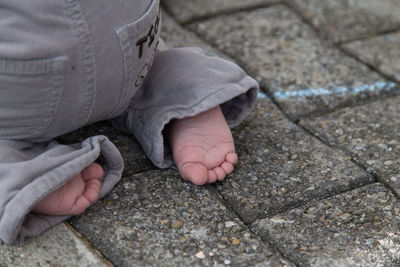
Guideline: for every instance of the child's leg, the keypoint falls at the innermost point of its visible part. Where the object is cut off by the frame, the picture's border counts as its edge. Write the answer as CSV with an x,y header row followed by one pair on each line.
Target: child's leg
x,y
202,147
188,100
53,179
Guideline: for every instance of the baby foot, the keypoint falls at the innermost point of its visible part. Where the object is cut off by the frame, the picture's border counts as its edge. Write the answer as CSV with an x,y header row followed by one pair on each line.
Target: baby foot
x,y
202,147
74,196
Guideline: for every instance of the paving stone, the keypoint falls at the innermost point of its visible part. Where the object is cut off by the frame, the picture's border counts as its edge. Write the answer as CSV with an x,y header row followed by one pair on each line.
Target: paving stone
x,y
134,157
185,11
369,133
303,74
60,246
356,228
157,218
382,52
175,36
281,167
342,20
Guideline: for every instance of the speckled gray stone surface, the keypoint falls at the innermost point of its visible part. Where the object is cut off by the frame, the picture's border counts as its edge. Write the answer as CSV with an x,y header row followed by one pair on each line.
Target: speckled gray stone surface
x,y
369,133
281,167
342,20
185,11
356,228
382,52
59,246
175,36
156,217
303,74
134,158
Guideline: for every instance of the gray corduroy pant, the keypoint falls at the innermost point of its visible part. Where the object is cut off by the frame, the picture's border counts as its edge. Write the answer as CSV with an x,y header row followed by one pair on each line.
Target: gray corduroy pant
x,y
68,63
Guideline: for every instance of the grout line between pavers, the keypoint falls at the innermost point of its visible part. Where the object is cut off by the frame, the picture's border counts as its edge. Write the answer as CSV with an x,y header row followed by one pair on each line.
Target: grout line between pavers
x,y
370,66
228,11
353,158
275,244
337,45
221,199
89,244
363,37
321,34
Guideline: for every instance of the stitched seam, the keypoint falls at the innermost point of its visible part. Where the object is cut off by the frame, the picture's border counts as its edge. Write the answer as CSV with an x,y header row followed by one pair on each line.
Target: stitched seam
x,y
125,40
58,83
126,50
88,58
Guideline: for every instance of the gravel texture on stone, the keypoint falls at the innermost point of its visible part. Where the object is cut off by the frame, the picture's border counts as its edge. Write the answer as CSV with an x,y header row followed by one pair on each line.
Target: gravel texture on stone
x,y
381,52
302,73
281,167
356,228
185,11
60,246
342,20
134,158
156,217
369,133
176,36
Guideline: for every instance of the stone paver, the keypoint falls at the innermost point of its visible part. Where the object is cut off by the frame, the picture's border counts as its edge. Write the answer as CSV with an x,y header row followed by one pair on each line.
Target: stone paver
x,y
59,246
342,20
303,74
175,36
382,52
281,167
185,11
156,217
356,228
369,133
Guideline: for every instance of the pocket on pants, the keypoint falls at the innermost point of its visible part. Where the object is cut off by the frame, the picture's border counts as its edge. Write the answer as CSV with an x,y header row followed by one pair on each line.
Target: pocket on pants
x,y
30,92
139,41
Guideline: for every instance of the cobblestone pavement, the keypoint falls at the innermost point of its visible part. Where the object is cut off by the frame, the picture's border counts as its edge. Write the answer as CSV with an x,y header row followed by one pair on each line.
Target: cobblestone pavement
x,y
318,183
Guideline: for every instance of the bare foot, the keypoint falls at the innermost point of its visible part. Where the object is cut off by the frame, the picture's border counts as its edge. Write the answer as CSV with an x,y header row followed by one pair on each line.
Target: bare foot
x,y
74,196
203,147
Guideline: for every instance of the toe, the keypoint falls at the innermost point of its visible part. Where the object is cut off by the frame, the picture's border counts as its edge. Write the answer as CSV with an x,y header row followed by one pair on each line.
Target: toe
x,y
93,171
92,190
232,158
228,167
196,173
80,205
220,173
212,176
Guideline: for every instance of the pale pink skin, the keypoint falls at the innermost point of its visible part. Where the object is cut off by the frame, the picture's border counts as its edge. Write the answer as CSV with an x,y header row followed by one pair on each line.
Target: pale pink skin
x,y
203,150
74,196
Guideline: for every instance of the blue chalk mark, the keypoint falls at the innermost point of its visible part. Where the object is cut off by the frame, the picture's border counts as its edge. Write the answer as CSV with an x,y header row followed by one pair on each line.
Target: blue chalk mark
x,y
261,95
340,90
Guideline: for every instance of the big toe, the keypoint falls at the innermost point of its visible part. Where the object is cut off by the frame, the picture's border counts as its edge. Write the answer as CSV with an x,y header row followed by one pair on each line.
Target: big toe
x,y
196,173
